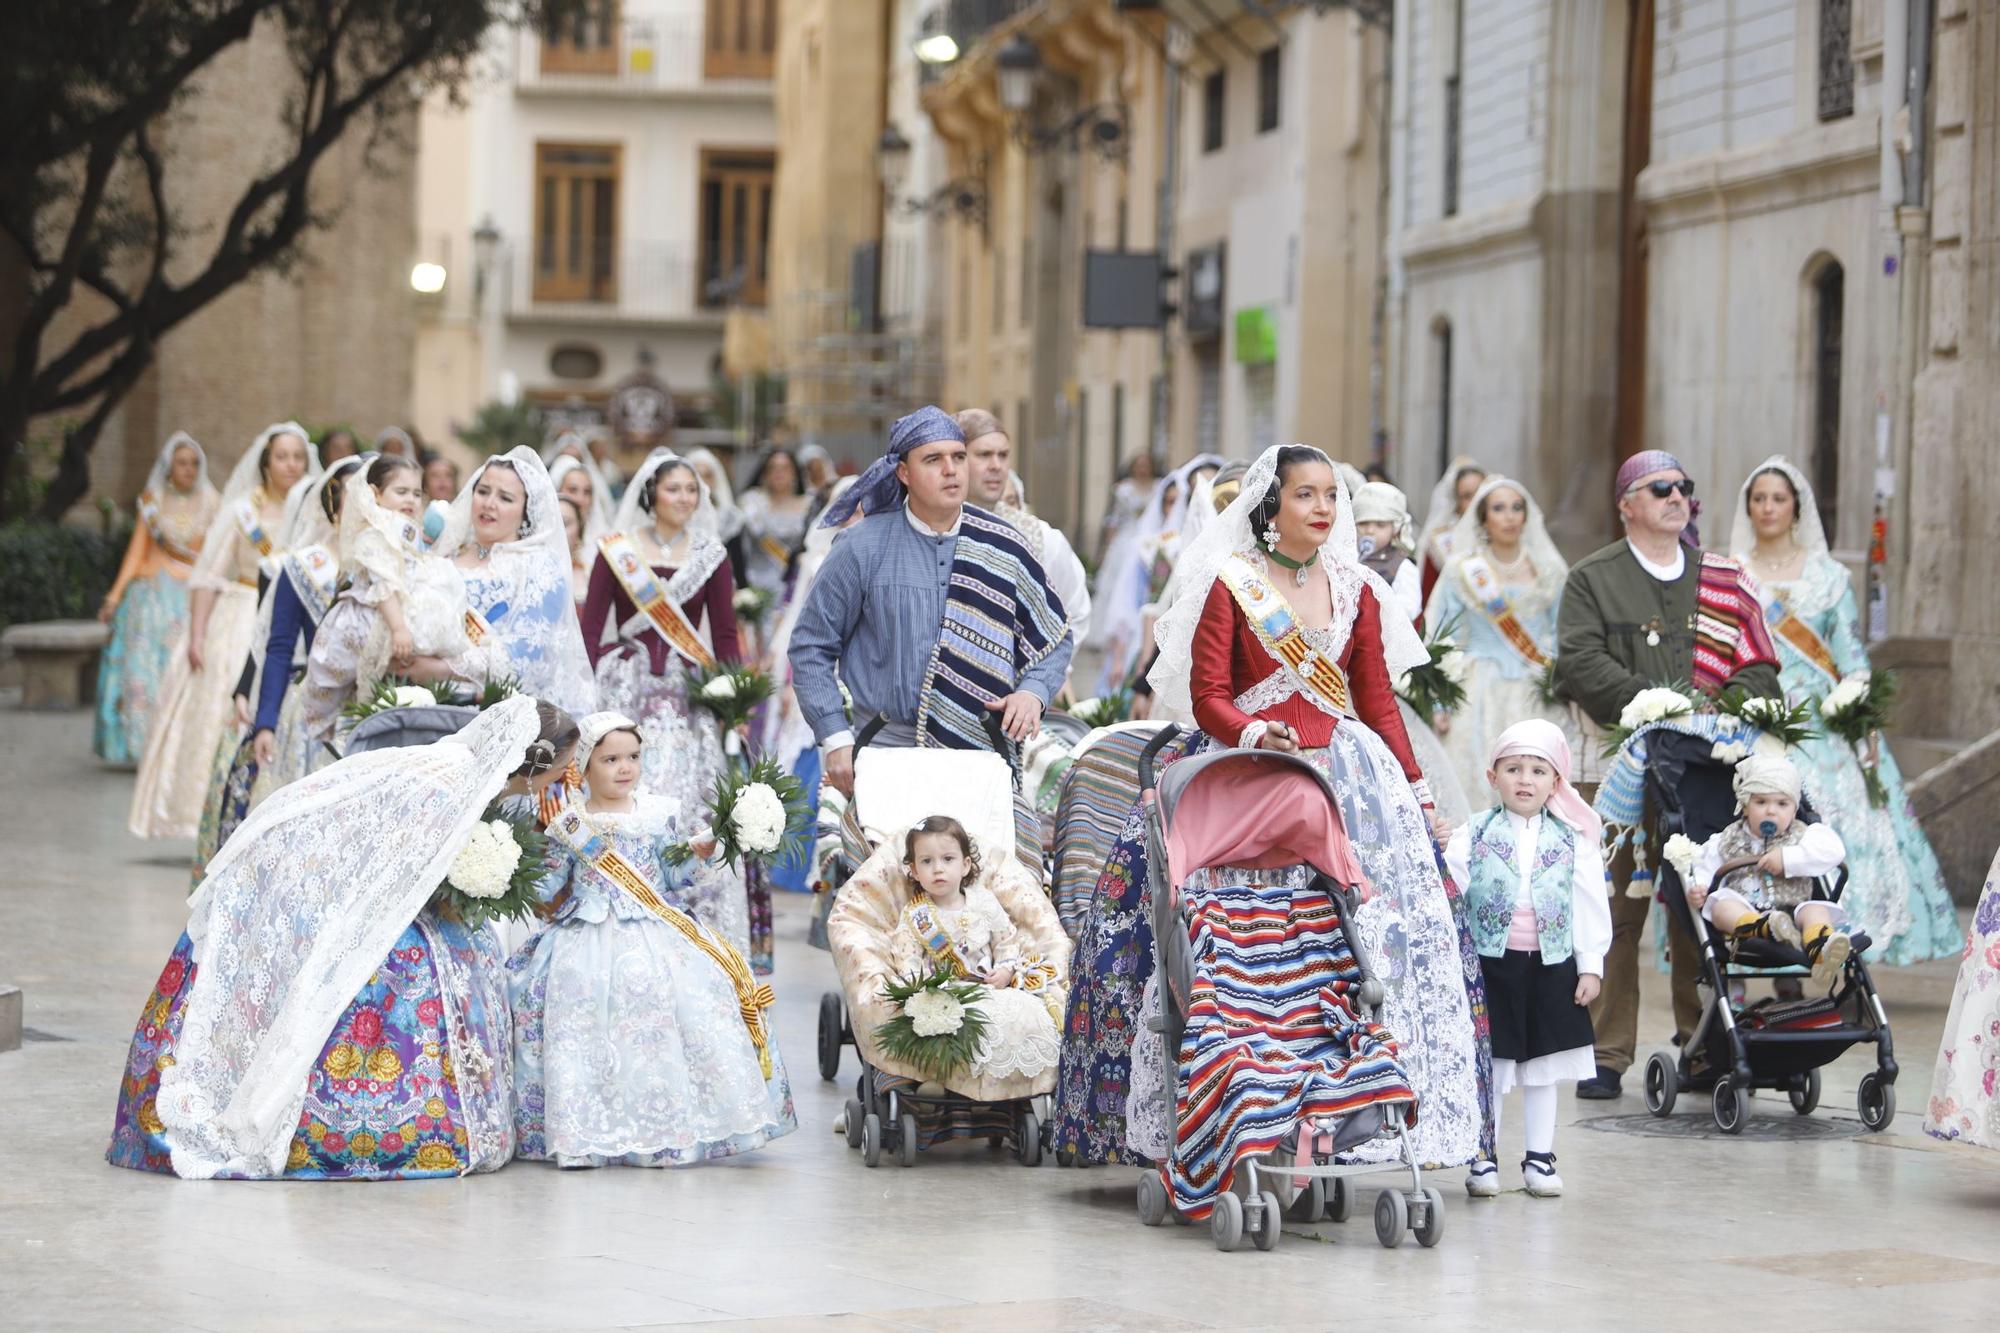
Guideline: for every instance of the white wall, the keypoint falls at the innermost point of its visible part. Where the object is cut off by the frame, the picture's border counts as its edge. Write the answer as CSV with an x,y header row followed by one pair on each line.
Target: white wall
x,y
1724,74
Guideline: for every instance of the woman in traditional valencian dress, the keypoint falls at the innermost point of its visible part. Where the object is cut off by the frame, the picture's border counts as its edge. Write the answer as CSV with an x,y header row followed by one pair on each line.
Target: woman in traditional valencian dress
x,y
1286,548
775,509
1895,891
148,602
1965,1089
640,1036
1450,498
1499,594
320,1020
193,741
505,536
723,517
662,587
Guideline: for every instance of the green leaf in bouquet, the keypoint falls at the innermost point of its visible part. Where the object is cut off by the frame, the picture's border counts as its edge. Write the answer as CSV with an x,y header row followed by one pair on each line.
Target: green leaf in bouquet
x,y
728,796
939,1055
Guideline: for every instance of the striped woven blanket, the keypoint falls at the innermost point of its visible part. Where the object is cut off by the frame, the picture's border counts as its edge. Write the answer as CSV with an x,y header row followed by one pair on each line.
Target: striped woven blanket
x,y
1098,792
1273,1036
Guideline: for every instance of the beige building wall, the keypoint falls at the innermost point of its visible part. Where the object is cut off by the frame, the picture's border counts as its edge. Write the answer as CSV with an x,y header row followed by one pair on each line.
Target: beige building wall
x,y
330,341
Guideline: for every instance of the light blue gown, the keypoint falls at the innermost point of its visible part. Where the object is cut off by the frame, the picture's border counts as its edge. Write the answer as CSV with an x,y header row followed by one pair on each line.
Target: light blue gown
x,y
629,1047
1895,890
1501,686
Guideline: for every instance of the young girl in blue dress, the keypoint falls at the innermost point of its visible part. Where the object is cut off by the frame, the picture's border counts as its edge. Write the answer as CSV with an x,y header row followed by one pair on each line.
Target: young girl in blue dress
x,y
640,1036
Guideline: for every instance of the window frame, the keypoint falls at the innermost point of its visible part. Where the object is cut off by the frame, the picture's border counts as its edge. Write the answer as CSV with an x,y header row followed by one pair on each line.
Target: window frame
x,y
1214,110
752,168
1270,88
549,279
754,26
559,55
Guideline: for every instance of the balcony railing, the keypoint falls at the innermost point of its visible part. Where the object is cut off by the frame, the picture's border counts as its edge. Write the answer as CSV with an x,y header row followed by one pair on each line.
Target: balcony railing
x,y
633,55
582,279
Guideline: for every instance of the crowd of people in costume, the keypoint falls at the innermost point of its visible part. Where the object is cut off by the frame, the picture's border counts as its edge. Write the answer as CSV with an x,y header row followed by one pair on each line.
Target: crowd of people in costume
x,y
328,1013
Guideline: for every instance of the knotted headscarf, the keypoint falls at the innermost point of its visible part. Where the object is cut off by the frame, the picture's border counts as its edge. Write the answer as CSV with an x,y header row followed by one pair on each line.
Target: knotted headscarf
x,y
877,489
1541,739
1766,775
1648,461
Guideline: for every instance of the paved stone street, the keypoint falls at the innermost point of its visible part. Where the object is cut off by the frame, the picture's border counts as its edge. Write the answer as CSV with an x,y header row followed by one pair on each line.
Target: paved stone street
x,y
1838,1229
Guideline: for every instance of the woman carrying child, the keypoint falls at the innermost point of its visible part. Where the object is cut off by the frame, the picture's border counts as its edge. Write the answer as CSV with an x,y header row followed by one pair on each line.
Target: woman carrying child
x,y
954,923
640,1036
1533,883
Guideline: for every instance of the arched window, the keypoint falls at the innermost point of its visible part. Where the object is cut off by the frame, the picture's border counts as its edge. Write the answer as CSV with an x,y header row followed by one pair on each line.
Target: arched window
x,y
1441,359
1828,289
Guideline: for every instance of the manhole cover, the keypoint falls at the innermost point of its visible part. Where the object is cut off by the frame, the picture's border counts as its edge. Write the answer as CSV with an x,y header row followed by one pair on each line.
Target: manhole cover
x,y
1776,1128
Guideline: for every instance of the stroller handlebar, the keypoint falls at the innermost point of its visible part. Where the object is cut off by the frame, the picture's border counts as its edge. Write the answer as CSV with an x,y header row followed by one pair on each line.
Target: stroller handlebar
x,y
1167,735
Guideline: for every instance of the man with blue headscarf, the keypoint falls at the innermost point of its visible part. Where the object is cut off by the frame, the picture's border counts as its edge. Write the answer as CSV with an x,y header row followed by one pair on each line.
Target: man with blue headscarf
x,y
930,612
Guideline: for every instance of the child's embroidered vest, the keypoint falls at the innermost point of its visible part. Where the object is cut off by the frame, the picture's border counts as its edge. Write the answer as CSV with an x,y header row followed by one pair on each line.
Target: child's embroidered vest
x,y
1496,879
1763,891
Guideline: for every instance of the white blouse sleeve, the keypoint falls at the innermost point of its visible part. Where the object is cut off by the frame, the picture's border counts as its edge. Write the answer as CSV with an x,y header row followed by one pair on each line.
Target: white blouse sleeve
x,y
1590,911
1820,852
1458,856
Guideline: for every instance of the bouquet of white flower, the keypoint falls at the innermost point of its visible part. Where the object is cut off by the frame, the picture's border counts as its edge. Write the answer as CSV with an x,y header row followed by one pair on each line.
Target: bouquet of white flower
x,y
1856,710
753,605
493,877
1679,853
1102,712
759,813
730,693
1648,706
938,1028
395,692
1787,723
1437,687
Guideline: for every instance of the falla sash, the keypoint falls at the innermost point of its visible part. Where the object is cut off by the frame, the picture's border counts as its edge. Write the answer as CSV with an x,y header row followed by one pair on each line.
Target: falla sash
x,y
936,939
1492,600
1271,620
573,830
776,549
314,572
650,596
1800,635
156,524
251,522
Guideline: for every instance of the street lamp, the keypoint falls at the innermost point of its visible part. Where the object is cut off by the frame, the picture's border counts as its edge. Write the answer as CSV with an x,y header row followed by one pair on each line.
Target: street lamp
x,y
934,46
1018,65
427,279
892,158
965,197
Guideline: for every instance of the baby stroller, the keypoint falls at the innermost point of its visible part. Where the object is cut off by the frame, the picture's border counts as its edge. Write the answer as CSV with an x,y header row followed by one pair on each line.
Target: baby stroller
x,y
1255,1011
893,789
897,1109
1773,1044
392,727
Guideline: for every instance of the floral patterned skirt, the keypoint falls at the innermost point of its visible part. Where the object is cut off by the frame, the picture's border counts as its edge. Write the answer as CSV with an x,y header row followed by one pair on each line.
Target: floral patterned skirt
x,y
1965,1089
148,621
411,1083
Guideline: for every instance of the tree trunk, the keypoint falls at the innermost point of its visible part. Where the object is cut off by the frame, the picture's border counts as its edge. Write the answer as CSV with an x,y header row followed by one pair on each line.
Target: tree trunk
x,y
72,479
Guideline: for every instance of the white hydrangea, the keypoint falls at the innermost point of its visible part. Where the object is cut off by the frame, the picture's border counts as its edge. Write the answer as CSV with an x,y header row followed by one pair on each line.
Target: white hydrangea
x,y
747,599
1654,705
413,696
1760,709
1454,665
1844,696
1680,853
758,818
934,1013
722,687
485,865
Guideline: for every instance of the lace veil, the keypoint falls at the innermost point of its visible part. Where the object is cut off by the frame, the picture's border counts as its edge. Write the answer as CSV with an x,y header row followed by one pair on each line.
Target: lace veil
x,y
538,631
156,480
728,514
214,570
305,525
704,537
1468,537
297,911
1229,534
1441,518
568,453
1807,530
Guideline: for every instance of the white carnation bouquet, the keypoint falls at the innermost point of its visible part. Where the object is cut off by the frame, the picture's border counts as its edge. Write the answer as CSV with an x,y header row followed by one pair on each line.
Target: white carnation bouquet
x,y
730,693
938,1028
759,813
494,875
1857,710
1655,704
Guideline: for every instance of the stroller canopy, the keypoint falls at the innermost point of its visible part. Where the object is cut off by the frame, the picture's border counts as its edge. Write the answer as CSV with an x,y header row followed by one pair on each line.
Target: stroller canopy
x,y
1255,809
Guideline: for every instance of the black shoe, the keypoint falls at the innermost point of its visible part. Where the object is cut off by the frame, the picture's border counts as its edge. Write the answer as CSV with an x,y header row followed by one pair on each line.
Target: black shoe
x,y
1607,1086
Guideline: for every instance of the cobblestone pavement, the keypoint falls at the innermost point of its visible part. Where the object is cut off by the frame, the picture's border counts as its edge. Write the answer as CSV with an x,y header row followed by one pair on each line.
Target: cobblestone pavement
x,y
1842,1229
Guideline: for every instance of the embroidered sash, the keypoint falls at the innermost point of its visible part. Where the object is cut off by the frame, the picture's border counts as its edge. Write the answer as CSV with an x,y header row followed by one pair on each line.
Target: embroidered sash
x,y
776,549
1270,617
477,627
575,832
314,572
1491,598
252,525
1800,635
1000,619
156,524
647,593
1729,632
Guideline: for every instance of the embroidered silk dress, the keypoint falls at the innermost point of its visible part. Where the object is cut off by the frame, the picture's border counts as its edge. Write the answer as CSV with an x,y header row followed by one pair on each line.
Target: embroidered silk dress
x,y
151,597
1020,1030
1965,1089
641,676
630,1044
1502,686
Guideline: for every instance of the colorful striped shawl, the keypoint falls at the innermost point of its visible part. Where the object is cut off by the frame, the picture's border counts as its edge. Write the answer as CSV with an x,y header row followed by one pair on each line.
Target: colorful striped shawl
x,y
1729,630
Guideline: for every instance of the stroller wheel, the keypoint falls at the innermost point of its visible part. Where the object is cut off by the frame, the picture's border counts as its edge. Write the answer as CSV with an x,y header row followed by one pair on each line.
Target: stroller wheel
x,y
1663,1083
1031,1139
1152,1199
1339,1199
1876,1101
1309,1204
1431,1230
1392,1218
1270,1216
1226,1222
1805,1092
829,1035
906,1139
1731,1105
871,1140
855,1115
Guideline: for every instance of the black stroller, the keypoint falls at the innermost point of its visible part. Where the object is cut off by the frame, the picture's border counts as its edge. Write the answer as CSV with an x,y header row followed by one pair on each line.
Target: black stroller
x,y
1775,1044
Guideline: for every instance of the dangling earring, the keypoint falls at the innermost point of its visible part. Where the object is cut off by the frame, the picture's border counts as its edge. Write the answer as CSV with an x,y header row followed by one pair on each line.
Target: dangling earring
x,y
1271,533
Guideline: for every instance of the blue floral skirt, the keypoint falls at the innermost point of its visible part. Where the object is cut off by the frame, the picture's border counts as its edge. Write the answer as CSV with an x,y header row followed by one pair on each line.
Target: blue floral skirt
x,y
144,632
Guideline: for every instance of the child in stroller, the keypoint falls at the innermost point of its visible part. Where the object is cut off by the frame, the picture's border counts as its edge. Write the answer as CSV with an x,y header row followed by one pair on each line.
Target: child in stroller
x,y
1754,879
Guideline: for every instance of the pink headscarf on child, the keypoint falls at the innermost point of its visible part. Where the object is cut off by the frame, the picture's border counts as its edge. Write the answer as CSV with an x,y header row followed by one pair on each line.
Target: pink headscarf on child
x,y
1544,740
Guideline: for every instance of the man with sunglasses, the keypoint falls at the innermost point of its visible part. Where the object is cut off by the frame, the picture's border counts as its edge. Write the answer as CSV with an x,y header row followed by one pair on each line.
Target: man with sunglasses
x,y
1652,609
